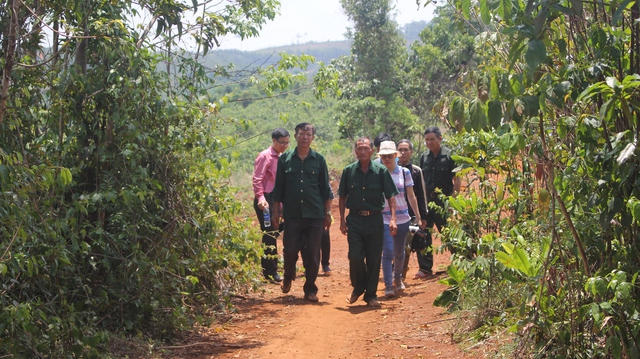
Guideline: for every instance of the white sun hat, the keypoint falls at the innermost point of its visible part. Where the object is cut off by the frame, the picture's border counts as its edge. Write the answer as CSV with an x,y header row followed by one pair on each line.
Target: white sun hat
x,y
387,148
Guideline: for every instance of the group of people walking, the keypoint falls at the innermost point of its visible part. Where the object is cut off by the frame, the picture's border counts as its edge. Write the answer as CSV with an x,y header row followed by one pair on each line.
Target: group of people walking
x,y
382,195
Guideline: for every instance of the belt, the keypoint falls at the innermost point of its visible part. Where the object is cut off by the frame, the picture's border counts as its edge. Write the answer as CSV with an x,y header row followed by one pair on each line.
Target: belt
x,y
367,213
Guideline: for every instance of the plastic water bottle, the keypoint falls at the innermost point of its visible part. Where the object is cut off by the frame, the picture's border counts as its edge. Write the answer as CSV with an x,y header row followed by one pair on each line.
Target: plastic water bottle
x,y
266,217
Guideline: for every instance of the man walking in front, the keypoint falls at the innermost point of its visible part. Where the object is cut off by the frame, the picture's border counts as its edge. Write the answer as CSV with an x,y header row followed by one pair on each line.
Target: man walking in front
x,y
302,186
264,176
364,185
439,178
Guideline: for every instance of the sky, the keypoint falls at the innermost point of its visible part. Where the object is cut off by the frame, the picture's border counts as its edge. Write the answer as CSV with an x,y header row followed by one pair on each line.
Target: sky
x,y
303,21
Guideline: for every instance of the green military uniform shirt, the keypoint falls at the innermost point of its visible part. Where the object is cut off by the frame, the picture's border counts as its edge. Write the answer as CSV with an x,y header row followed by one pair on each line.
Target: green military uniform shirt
x,y
366,191
302,186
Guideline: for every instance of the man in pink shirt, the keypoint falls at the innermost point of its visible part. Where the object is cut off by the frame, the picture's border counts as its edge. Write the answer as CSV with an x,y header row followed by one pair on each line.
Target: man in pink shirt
x,y
264,177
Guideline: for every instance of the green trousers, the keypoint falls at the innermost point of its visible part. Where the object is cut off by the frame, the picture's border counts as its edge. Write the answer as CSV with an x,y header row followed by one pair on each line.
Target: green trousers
x,y
365,237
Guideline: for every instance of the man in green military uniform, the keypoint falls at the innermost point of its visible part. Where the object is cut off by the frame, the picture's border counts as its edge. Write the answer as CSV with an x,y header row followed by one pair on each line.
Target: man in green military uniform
x,y
439,178
364,186
302,186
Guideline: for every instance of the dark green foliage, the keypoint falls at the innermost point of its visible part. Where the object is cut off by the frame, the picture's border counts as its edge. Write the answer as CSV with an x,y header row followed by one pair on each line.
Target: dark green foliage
x,y
114,216
547,231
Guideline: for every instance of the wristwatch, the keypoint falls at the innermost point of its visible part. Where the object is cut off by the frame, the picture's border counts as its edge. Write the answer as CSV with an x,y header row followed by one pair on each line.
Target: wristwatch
x,y
329,212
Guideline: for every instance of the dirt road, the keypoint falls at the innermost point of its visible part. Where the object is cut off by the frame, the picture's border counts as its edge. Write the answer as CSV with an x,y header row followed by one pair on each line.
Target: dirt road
x,y
276,325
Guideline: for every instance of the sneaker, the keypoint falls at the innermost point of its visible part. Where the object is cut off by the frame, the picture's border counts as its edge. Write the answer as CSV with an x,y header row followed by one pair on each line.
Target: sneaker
x,y
399,285
326,270
389,293
273,278
422,275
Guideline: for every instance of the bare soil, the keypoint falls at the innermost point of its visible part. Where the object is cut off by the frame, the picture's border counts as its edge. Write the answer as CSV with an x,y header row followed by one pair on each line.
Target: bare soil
x,y
270,324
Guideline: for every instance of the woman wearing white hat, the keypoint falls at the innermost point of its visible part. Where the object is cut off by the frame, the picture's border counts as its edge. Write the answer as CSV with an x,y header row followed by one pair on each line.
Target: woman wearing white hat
x,y
393,246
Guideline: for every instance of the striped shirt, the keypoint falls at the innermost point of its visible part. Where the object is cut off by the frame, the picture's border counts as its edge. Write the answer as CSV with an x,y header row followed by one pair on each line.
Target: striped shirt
x,y
402,178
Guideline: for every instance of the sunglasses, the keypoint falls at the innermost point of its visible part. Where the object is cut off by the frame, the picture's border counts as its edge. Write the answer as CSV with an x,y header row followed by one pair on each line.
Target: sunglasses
x,y
386,157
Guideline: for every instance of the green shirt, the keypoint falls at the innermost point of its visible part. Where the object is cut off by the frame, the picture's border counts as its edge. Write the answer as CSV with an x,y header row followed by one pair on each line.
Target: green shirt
x,y
302,186
438,171
366,191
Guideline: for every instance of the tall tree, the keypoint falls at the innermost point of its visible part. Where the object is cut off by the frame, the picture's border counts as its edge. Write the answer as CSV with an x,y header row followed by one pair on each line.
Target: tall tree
x,y
372,75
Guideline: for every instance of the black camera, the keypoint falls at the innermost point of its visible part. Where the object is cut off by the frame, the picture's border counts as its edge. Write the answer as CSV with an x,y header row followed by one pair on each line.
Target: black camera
x,y
419,240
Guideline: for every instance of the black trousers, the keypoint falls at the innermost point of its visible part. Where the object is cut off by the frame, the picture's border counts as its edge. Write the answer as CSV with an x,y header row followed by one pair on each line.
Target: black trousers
x,y
303,236
325,249
425,260
269,261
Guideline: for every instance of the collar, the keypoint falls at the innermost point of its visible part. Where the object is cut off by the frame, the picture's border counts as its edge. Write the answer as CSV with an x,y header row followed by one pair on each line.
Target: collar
x,y
312,153
358,166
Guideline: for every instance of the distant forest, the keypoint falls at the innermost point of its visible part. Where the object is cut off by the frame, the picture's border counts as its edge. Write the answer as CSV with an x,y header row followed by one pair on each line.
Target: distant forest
x,y
322,51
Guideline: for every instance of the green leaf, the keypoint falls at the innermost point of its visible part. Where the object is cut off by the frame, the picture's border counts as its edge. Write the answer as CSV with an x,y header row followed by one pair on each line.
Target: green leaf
x,y
446,298
576,7
462,159
596,286
504,9
613,344
65,177
518,260
466,9
536,53
506,275
495,113
624,5
636,211
4,174
456,112
456,273
484,12
477,115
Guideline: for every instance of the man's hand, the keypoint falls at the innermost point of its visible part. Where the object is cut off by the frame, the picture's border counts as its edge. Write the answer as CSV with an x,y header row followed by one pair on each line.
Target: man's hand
x,y
263,204
423,224
327,221
343,227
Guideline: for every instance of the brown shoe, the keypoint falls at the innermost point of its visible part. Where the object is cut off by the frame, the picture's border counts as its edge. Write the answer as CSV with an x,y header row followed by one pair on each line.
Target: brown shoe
x,y
373,303
352,298
286,285
311,297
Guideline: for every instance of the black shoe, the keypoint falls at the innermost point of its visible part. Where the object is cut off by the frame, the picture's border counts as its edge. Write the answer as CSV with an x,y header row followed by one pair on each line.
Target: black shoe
x,y
286,286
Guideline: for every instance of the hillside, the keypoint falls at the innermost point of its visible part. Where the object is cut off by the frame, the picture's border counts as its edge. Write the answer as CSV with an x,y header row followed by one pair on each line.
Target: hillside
x,y
322,51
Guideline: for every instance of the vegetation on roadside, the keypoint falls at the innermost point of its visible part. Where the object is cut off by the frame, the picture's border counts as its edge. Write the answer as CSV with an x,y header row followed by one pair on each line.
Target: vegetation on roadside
x,y
546,236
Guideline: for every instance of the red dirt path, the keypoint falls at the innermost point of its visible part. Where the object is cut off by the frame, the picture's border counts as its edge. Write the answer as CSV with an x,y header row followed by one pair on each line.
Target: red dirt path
x,y
271,324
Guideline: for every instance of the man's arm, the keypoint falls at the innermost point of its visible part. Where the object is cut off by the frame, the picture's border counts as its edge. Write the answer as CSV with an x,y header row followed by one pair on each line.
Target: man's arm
x,y
413,202
421,197
275,218
259,171
327,214
342,205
